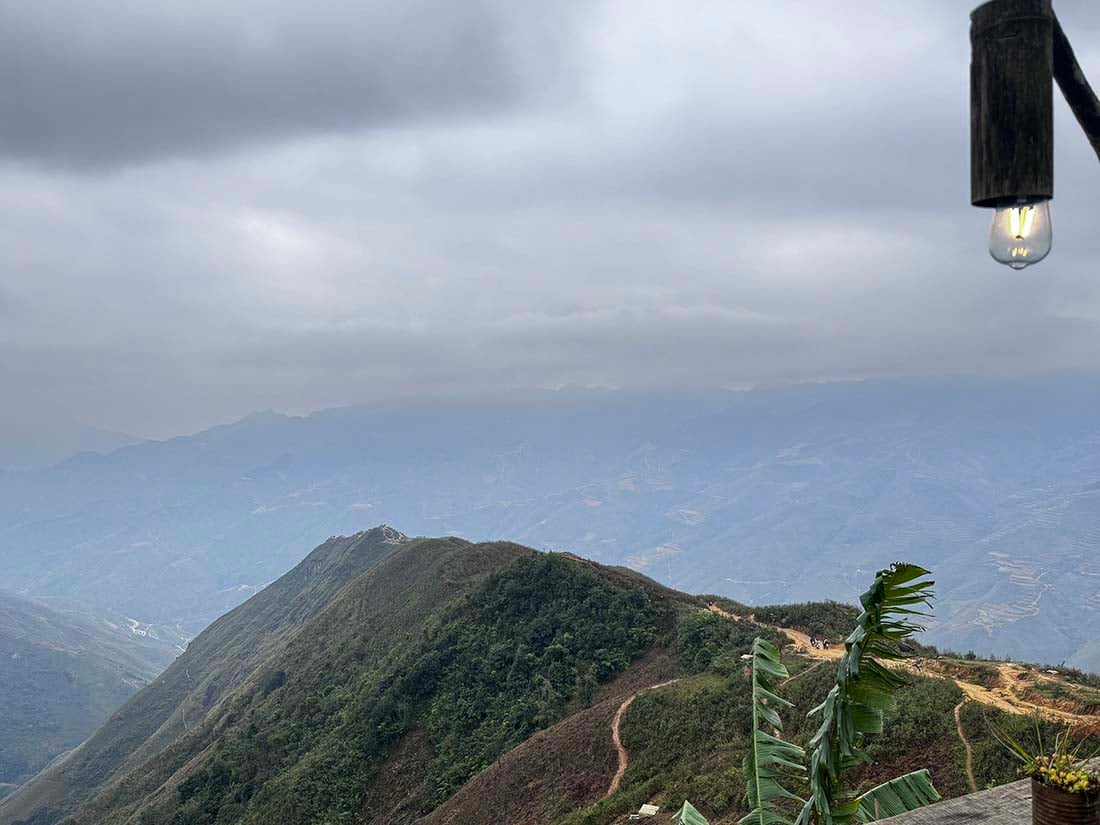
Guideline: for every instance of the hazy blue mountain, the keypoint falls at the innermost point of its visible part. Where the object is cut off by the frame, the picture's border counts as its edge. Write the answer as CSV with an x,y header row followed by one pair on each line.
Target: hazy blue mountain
x,y
63,671
51,442
765,496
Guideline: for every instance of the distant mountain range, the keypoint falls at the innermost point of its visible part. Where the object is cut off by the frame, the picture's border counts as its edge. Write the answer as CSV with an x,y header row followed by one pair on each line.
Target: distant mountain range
x,y
51,442
436,682
769,495
63,671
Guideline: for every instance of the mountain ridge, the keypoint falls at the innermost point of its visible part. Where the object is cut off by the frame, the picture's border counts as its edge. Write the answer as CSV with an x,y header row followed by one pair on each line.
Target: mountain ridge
x,y
228,654
386,659
994,481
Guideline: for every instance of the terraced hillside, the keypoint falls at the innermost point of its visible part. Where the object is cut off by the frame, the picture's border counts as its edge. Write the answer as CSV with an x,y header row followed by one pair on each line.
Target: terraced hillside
x,y
781,494
437,681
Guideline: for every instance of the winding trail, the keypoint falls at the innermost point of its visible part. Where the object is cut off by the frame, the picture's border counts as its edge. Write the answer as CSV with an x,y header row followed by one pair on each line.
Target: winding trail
x,y
799,639
966,744
1008,696
802,642
624,755
798,676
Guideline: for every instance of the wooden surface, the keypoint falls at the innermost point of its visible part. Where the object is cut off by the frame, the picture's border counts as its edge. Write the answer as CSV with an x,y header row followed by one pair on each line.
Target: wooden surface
x,y
1012,101
1006,805
1075,86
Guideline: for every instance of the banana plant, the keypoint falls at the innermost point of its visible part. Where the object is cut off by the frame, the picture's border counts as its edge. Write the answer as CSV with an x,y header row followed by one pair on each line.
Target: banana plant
x,y
687,815
898,796
771,762
854,709
864,692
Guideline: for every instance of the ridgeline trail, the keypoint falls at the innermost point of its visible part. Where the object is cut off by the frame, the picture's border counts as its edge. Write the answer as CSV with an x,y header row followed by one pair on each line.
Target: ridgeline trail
x,y
800,640
1010,695
624,755
966,744
1007,696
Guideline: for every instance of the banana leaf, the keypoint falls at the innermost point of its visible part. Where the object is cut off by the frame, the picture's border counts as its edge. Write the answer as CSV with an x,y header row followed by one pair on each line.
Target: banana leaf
x,y
772,763
864,693
687,815
898,796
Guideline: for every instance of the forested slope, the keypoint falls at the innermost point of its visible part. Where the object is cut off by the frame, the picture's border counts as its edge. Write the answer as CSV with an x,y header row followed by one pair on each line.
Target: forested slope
x,y
435,681
217,661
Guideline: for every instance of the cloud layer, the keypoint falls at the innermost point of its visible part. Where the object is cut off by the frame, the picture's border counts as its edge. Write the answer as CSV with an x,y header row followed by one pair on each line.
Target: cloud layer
x,y
206,211
105,83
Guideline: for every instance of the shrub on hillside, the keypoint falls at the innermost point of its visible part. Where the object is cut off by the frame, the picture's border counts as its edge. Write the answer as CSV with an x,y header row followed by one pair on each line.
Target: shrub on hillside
x,y
486,674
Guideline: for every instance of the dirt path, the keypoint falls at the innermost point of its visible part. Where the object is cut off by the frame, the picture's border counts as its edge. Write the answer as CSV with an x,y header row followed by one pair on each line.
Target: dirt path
x,y
1013,680
966,744
799,639
802,643
798,676
1007,696
624,755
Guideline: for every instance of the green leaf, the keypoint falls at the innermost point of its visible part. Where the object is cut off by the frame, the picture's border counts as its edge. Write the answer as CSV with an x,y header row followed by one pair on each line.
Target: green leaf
x,y
687,815
772,763
864,692
898,796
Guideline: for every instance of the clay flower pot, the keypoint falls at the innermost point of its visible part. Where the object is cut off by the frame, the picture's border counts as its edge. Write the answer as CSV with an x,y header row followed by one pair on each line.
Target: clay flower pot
x,y
1053,806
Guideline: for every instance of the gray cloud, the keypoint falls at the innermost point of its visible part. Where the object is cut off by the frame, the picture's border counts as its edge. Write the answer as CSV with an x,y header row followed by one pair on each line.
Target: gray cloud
x,y
656,196
99,82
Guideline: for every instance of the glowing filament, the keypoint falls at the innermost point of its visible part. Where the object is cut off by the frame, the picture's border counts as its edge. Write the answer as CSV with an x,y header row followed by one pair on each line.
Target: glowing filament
x,y
1021,220
1021,232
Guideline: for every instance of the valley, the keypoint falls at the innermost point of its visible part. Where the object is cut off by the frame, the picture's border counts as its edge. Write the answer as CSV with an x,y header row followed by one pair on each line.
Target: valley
x,y
549,413
63,672
764,496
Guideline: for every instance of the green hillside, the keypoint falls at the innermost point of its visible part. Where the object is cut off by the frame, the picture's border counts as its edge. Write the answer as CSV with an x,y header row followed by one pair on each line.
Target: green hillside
x,y
221,659
435,681
62,673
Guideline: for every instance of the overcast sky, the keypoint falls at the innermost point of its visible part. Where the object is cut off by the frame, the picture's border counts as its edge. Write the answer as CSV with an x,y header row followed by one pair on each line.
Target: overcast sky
x,y
208,208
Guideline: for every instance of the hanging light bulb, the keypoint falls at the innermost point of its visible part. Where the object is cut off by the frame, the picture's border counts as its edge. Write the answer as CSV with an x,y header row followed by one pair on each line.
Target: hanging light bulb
x,y
1022,234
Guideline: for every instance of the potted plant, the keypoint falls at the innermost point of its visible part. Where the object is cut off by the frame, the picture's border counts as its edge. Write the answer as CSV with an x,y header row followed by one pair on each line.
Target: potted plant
x,y
1064,791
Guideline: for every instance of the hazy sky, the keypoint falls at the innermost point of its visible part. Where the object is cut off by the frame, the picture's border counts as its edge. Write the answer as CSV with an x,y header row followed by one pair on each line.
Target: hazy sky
x,y
209,207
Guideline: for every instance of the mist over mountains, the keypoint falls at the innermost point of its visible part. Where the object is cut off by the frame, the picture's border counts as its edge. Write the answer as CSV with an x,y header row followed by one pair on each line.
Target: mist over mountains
x,y
765,496
45,443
